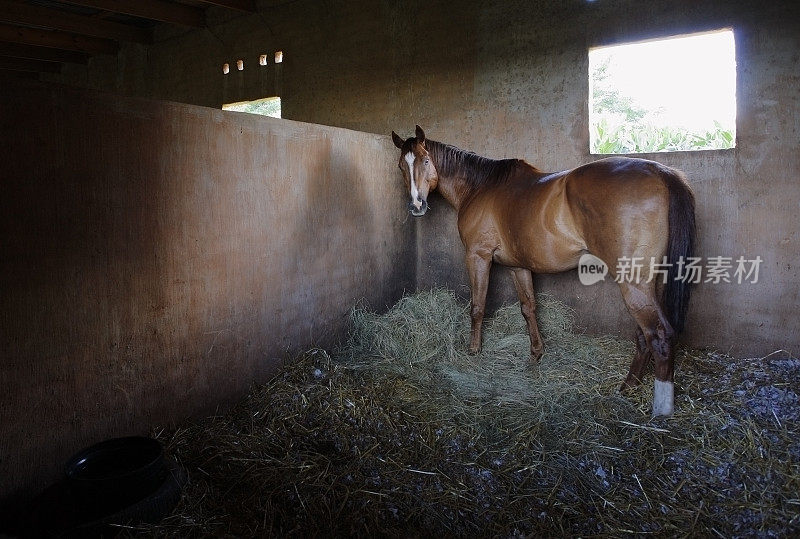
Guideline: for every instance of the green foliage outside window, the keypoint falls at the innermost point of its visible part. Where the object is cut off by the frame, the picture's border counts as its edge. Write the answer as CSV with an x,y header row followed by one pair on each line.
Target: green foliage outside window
x,y
270,106
619,125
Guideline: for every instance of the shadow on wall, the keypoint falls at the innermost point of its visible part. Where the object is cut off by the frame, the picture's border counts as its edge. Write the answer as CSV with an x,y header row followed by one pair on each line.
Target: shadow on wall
x,y
331,226
82,226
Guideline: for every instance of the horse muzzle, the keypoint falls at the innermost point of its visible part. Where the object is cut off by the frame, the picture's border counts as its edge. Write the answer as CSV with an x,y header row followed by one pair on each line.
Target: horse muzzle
x,y
418,211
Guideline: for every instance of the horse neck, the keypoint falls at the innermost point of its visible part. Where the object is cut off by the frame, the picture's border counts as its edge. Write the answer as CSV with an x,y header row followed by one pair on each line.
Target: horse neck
x,y
453,187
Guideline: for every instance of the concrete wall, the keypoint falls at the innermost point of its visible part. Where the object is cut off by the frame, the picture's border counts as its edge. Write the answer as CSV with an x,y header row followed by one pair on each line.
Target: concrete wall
x,y
158,258
509,79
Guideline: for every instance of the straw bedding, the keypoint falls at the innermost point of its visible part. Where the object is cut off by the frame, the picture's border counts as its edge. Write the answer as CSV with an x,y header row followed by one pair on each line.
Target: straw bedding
x,y
400,433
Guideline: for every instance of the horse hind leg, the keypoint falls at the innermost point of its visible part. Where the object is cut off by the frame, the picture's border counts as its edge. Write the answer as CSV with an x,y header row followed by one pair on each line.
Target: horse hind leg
x,y
641,358
643,305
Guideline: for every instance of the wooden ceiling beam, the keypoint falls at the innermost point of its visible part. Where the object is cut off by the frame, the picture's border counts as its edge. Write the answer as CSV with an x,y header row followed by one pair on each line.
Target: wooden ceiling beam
x,y
16,50
30,15
157,10
242,5
30,66
57,40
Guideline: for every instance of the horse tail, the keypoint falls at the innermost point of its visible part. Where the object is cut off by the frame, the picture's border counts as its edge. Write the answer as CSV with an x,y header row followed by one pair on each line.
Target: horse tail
x,y
681,244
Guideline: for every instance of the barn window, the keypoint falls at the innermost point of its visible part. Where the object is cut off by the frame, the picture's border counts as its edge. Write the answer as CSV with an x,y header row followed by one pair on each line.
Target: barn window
x,y
668,95
269,106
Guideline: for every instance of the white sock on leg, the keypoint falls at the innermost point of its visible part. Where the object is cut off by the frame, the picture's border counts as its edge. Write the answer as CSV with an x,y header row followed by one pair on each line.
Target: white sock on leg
x,y
663,398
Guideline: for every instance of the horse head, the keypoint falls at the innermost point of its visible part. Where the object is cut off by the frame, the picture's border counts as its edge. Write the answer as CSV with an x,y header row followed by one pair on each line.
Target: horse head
x,y
419,173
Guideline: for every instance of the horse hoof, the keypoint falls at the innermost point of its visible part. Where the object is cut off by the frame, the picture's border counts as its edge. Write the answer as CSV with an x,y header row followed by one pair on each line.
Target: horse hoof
x,y
536,355
473,351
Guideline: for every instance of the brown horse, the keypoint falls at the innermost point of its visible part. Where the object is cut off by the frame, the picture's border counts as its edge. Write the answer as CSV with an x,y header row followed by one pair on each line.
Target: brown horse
x,y
617,209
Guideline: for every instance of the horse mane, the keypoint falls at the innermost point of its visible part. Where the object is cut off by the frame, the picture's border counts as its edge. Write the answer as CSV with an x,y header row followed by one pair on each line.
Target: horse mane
x,y
477,171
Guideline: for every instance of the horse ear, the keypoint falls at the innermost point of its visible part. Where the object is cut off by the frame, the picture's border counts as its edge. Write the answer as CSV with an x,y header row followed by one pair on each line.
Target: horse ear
x,y
420,135
397,140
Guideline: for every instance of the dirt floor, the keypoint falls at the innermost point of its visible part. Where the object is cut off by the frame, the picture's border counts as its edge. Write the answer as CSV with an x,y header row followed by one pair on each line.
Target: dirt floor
x,y
401,433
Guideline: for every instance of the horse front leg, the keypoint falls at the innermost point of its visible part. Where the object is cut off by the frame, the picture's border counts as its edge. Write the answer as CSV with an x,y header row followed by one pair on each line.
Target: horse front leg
x,y
479,265
523,282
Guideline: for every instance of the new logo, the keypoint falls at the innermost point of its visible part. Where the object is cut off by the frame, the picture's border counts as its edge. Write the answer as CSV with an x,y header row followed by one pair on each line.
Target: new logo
x,y
591,269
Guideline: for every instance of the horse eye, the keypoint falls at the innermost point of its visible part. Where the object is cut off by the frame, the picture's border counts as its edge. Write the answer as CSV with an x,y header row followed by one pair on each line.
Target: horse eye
x,y
426,161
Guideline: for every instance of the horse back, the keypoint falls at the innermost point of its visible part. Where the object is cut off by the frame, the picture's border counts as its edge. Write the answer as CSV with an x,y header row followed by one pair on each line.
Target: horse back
x,y
612,207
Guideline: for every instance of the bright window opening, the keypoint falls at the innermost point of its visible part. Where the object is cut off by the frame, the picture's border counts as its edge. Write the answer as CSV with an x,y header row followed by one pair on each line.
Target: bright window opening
x,y
269,106
676,94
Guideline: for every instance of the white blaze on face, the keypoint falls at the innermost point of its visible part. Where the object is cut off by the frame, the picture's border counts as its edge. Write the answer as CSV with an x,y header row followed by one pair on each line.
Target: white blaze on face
x,y
414,191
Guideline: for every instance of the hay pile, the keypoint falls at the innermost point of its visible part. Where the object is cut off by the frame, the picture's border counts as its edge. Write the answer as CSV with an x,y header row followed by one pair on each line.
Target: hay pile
x,y
401,433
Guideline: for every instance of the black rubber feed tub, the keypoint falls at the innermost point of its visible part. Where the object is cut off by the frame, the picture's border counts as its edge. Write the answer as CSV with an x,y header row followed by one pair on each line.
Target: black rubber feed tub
x,y
66,512
122,481
133,465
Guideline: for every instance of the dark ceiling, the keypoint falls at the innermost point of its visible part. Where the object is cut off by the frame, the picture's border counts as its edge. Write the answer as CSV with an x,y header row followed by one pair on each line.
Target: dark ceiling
x,y
39,36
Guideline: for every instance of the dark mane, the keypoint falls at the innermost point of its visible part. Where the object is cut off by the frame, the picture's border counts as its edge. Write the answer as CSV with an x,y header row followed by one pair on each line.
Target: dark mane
x,y
476,170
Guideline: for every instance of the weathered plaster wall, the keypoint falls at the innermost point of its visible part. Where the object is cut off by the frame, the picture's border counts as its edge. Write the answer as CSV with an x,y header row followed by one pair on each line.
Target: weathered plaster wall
x,y
509,79
157,258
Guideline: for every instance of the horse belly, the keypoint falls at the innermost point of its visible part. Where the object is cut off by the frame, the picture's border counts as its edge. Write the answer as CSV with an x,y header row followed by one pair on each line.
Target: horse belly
x,y
543,237
552,254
